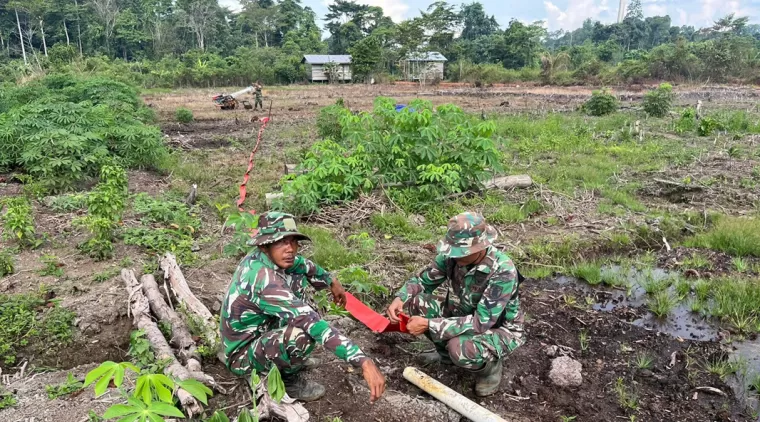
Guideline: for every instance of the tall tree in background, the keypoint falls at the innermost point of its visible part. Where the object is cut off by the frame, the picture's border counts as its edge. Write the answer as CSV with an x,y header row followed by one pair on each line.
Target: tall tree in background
x,y
475,22
365,56
440,22
519,45
106,11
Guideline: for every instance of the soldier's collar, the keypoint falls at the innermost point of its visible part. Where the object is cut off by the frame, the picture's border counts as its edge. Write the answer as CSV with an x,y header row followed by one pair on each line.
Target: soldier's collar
x,y
486,264
264,259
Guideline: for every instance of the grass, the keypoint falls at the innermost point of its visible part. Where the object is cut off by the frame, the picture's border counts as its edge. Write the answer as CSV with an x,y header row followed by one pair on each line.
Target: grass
x,y
51,266
661,303
330,253
107,274
398,225
7,399
644,361
627,400
697,261
500,213
26,321
653,284
732,235
583,340
740,264
613,277
723,367
624,199
737,302
589,272
69,386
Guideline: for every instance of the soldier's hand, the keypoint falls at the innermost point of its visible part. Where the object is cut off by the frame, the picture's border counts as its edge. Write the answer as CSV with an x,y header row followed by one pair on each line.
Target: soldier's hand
x,y
417,325
375,379
393,310
338,292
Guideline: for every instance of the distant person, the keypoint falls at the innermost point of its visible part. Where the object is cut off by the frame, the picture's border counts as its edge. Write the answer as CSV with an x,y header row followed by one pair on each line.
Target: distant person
x,y
265,320
257,94
475,322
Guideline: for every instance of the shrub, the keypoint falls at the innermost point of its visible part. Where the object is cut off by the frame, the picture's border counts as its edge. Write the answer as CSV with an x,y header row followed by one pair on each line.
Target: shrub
x,y
688,120
6,264
601,103
707,125
328,124
433,152
658,101
183,115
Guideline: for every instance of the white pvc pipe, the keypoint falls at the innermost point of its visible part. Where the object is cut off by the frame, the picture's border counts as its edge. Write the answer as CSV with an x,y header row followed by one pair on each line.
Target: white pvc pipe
x,y
449,397
242,91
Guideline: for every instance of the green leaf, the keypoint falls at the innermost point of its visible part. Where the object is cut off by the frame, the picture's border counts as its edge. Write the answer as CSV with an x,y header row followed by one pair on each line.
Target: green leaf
x,y
196,389
246,416
120,410
219,416
132,418
102,385
165,409
275,386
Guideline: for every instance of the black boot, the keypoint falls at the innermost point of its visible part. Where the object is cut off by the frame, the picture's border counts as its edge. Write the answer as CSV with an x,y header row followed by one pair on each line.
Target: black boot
x,y
301,389
488,378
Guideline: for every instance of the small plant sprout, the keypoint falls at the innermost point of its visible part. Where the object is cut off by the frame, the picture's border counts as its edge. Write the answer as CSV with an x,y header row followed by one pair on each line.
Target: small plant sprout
x,y
661,304
702,289
723,367
564,418
740,264
51,266
683,288
653,284
626,399
696,306
644,361
583,339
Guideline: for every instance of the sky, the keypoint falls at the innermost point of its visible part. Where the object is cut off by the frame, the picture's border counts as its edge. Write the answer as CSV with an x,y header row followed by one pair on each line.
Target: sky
x,y
565,14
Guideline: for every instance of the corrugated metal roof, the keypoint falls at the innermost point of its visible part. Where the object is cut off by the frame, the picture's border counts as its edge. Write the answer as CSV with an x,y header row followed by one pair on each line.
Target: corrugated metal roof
x,y
430,56
326,58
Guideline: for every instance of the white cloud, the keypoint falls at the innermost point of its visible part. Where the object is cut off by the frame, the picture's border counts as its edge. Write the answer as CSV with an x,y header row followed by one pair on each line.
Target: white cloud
x,y
576,12
655,10
708,11
396,9
230,4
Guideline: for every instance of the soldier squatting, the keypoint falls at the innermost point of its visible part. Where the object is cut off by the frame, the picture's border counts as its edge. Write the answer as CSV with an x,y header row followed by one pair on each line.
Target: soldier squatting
x,y
475,323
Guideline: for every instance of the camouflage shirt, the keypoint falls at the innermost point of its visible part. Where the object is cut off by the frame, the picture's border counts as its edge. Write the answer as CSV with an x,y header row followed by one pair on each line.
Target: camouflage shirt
x,y
263,297
479,297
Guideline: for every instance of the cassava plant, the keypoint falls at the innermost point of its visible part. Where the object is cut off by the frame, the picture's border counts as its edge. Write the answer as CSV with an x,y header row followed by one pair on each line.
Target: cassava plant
x,y
18,222
105,206
434,151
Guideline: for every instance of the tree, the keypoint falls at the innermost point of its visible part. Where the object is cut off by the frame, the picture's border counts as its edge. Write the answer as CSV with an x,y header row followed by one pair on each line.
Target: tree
x,y
106,11
199,17
635,11
519,45
475,22
365,55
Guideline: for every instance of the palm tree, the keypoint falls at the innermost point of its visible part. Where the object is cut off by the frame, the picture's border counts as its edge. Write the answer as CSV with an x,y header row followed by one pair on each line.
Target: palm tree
x,y
551,64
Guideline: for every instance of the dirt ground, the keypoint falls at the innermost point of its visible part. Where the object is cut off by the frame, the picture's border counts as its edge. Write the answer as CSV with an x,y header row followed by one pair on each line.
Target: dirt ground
x,y
668,391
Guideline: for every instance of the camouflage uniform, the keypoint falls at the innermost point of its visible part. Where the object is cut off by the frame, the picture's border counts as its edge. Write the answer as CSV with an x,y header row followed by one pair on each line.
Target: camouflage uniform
x,y
477,317
265,320
257,94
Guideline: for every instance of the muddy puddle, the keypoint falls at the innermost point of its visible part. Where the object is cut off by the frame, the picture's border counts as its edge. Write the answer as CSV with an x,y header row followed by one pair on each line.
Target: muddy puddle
x,y
680,322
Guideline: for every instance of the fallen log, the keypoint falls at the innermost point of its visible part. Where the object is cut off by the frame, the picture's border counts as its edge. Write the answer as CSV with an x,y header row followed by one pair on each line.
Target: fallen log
x,y
508,182
180,289
181,337
140,309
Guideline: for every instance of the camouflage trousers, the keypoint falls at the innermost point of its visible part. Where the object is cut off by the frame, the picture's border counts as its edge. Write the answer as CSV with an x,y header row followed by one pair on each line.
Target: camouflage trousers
x,y
469,351
286,347
257,102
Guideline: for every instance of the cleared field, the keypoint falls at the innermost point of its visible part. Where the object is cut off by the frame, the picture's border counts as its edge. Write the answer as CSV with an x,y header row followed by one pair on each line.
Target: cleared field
x,y
639,239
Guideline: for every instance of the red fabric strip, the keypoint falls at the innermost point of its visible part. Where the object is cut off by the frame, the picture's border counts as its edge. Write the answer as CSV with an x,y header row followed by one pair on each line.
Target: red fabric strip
x,y
264,121
372,319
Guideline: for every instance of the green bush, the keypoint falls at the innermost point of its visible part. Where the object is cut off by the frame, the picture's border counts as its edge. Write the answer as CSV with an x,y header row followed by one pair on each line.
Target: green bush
x,y
688,120
183,115
61,129
707,125
433,152
658,101
6,264
601,103
328,124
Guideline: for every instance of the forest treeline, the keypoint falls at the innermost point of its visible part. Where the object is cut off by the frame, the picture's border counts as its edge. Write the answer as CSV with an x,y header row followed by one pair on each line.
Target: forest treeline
x,y
182,43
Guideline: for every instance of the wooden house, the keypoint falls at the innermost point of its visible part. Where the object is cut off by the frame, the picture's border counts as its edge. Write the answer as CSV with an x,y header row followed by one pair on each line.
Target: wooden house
x,y
423,66
320,67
